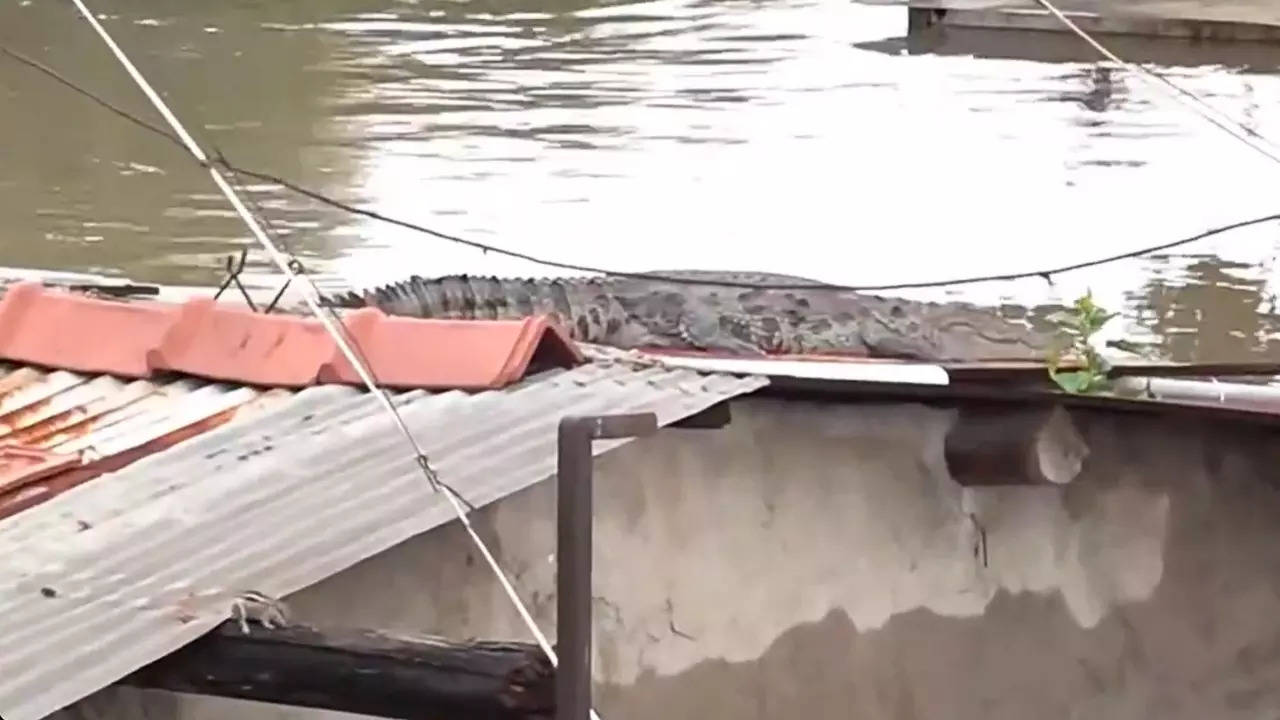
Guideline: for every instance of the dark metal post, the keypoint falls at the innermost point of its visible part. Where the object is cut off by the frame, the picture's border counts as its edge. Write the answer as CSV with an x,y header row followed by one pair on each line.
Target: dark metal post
x,y
573,551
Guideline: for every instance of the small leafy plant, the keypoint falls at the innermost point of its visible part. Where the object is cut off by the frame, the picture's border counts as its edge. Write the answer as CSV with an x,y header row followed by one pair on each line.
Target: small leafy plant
x,y
1078,325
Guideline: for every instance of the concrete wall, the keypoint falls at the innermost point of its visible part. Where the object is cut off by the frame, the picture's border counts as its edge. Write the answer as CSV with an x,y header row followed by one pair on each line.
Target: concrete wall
x,y
818,561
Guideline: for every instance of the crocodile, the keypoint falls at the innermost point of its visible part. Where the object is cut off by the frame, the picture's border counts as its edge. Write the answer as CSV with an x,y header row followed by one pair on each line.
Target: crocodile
x,y
661,312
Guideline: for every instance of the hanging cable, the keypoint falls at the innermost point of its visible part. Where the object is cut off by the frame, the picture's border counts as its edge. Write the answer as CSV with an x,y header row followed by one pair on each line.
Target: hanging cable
x,y
659,277
288,266
678,280
261,217
293,270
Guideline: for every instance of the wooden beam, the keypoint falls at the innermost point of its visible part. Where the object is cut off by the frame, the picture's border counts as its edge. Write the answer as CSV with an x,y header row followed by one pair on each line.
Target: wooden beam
x,y
361,671
1000,445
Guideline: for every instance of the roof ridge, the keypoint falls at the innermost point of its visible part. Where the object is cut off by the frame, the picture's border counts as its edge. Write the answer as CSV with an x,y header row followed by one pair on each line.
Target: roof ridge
x,y
203,339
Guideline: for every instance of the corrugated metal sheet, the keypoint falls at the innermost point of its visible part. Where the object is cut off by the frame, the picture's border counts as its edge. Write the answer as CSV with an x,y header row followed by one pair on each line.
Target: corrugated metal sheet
x,y
123,570
85,425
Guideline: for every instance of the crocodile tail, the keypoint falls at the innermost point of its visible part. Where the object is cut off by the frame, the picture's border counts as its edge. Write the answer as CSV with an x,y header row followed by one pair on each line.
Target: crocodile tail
x,y
583,306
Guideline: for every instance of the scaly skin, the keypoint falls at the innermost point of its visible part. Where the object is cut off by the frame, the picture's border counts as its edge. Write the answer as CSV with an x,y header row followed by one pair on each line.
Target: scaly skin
x,y
635,313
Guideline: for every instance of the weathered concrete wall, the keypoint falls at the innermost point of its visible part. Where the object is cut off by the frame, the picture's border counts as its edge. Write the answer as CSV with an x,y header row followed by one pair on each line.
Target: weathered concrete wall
x,y
817,561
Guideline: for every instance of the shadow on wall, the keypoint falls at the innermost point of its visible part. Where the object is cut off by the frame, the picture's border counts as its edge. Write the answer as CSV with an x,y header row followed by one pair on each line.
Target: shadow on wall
x,y
713,546
1199,643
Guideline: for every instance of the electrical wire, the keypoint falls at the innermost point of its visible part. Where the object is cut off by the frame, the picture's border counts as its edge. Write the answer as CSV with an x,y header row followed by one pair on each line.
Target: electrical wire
x,y
276,237
293,269
37,65
1045,273
679,280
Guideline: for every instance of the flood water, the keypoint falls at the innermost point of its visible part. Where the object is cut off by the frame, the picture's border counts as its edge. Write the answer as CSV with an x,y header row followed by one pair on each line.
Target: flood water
x,y
794,136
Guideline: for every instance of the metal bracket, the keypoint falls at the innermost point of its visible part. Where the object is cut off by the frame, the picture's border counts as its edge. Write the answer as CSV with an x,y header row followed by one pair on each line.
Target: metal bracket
x,y
574,516
279,294
233,276
235,267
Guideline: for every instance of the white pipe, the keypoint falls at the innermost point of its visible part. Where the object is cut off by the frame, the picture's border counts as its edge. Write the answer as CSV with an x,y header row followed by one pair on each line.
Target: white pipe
x,y
1264,398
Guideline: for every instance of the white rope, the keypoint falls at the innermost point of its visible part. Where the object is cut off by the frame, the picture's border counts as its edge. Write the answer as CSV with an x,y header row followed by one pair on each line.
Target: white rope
x,y
311,296
1250,137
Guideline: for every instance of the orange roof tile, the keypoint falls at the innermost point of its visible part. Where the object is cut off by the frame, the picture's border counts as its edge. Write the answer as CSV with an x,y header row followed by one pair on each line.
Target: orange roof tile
x,y
74,332
203,339
227,343
460,354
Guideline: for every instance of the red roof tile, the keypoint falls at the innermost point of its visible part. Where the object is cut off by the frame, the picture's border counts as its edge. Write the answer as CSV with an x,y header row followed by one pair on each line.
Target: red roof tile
x,y
203,339
460,354
226,343
74,332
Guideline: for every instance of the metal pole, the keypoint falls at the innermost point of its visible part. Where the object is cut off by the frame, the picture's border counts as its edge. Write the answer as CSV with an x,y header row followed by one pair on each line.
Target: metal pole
x,y
573,550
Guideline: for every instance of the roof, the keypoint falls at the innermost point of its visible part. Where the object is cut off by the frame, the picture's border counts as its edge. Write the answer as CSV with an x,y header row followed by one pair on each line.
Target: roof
x,y
205,339
97,384
59,429
116,573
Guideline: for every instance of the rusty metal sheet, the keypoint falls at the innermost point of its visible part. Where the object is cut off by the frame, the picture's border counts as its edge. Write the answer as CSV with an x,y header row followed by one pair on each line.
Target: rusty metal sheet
x,y
59,429
21,466
194,408
27,389
80,411
53,409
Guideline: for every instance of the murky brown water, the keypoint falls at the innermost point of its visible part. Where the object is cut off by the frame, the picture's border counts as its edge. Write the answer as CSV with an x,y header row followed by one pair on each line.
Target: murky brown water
x,y
800,137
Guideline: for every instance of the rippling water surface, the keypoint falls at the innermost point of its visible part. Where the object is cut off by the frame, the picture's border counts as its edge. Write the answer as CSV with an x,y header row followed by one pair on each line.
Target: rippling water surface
x,y
801,137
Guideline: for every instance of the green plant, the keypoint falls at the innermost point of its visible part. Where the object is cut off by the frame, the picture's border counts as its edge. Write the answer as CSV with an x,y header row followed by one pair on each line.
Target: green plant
x,y
1078,325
